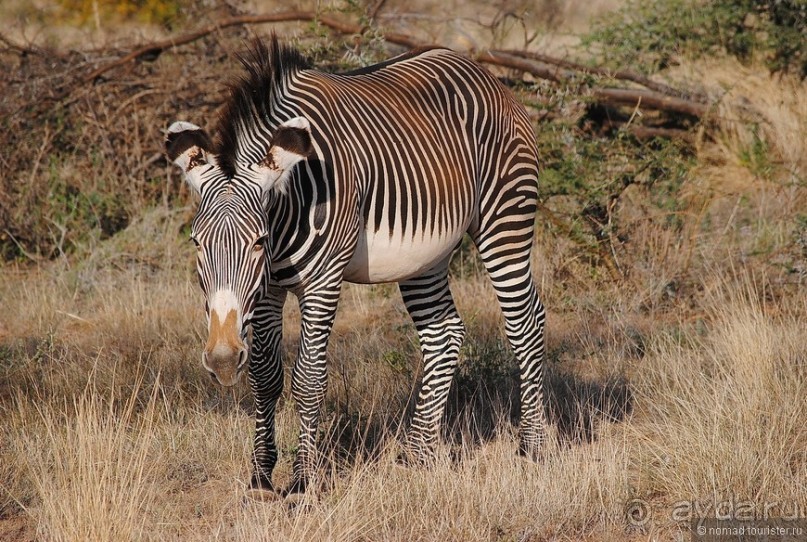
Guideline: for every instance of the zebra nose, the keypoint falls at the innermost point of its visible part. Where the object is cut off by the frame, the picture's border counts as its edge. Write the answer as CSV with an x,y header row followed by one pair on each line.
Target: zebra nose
x,y
225,363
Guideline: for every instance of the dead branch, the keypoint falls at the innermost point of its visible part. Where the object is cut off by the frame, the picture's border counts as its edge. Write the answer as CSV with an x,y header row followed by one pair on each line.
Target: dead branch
x,y
542,71
650,132
658,96
650,100
620,75
375,8
152,50
607,96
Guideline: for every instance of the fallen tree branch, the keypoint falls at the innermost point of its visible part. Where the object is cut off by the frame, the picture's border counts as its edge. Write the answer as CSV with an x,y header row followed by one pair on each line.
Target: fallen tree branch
x,y
609,96
649,99
621,75
650,132
659,97
507,60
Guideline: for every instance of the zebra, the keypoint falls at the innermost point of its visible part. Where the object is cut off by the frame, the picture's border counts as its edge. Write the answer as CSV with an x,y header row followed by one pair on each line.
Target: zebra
x,y
369,176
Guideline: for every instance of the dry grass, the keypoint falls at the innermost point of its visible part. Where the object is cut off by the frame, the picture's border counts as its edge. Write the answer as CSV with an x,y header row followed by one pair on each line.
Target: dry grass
x,y
754,107
718,412
89,459
114,432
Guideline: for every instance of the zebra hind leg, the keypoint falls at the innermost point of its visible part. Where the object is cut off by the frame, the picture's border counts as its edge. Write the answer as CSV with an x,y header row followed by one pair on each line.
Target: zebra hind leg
x,y
266,381
440,331
505,252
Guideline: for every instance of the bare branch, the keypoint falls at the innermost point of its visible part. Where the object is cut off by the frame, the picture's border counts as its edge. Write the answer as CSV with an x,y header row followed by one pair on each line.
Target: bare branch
x,y
622,75
152,50
650,100
659,96
375,8
610,96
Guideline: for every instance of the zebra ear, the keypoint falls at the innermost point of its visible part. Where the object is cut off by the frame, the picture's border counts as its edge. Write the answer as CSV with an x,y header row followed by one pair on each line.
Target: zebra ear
x,y
188,146
291,143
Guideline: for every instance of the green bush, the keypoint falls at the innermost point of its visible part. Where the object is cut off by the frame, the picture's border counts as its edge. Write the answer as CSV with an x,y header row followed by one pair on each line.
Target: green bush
x,y
589,174
647,35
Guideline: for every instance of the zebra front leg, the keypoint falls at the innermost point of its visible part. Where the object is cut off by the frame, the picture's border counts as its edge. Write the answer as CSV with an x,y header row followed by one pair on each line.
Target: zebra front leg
x,y
440,332
309,379
266,381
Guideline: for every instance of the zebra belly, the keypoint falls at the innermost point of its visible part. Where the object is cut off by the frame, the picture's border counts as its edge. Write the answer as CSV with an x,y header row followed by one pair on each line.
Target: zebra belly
x,y
381,258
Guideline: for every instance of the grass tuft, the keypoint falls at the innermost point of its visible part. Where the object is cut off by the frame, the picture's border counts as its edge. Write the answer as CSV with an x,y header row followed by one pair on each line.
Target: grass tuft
x,y
90,462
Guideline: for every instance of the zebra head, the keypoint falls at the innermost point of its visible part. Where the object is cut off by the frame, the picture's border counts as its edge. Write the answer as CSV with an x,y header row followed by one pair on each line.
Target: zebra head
x,y
230,230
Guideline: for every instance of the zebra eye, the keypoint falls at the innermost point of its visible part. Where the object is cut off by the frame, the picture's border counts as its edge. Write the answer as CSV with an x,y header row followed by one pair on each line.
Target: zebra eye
x,y
195,242
258,246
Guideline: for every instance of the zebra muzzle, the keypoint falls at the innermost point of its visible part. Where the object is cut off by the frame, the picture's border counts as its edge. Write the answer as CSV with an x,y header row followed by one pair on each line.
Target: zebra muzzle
x,y
225,363
225,354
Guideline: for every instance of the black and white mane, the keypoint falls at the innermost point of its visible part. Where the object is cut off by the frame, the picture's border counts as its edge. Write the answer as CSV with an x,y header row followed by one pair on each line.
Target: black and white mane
x,y
250,109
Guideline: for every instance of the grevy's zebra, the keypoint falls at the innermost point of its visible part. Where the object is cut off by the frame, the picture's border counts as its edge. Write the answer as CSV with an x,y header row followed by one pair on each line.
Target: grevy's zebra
x,y
369,176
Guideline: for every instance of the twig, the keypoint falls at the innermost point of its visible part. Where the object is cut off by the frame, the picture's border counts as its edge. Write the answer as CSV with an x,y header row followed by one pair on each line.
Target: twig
x,y
375,8
636,112
63,234
22,49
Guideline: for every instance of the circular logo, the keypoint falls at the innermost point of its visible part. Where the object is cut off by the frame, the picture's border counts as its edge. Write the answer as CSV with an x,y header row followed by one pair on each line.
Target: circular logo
x,y
637,512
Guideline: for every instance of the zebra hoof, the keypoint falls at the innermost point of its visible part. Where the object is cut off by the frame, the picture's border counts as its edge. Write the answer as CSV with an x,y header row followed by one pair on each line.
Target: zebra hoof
x,y
262,490
531,452
297,487
257,494
410,459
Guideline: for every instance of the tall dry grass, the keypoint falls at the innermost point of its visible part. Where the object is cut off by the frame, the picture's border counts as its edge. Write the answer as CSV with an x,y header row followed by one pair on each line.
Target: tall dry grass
x,y
89,462
719,412
114,431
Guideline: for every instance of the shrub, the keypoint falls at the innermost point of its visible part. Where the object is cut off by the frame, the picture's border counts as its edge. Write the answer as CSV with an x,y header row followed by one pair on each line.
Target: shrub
x,y
648,35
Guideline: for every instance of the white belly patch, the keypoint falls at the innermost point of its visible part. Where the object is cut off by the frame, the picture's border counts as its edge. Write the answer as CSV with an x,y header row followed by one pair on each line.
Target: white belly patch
x,y
381,258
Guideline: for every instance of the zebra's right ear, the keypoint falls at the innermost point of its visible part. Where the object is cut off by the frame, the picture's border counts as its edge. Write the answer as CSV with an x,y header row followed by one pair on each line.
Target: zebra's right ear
x,y
188,146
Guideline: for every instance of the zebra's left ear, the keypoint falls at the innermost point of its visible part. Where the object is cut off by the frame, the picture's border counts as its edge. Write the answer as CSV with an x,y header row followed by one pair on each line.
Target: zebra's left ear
x,y
291,143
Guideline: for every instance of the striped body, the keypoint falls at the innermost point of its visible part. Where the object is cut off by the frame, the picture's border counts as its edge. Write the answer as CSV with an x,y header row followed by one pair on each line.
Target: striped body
x,y
386,168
